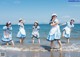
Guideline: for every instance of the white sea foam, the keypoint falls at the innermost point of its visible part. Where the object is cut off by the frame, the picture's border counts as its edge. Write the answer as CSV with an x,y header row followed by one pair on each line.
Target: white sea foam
x,y
70,47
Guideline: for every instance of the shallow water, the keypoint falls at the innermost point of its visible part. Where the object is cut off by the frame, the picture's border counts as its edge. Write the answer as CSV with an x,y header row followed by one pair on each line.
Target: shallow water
x,y
69,50
38,54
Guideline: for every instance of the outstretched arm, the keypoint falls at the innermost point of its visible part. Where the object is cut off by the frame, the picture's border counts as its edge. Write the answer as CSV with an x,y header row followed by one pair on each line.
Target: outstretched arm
x,y
63,24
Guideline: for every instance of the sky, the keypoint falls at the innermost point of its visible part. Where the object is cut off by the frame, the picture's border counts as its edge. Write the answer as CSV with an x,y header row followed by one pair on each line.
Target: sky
x,y
38,10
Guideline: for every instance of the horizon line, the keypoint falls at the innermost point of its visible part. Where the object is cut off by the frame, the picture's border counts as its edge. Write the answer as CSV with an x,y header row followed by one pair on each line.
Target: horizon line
x,y
39,23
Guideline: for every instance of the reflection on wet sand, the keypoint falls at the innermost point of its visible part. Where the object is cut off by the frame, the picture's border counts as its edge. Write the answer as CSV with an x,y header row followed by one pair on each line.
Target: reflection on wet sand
x,y
48,54
69,50
36,54
56,54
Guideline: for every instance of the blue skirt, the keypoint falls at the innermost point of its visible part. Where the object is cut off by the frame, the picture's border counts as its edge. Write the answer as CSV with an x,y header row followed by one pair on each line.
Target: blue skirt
x,y
6,39
19,35
55,36
66,35
51,37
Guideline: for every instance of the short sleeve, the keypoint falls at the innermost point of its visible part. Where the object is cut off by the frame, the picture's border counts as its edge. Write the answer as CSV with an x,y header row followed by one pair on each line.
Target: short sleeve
x,y
68,24
65,23
72,25
4,28
56,21
33,27
21,25
10,28
38,27
18,23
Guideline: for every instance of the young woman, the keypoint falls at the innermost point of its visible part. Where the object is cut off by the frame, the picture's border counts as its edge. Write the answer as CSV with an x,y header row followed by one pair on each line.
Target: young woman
x,y
54,33
67,29
21,34
35,32
7,33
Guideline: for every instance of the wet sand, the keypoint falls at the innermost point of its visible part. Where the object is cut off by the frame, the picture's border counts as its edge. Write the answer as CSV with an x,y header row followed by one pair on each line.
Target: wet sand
x,y
38,54
43,50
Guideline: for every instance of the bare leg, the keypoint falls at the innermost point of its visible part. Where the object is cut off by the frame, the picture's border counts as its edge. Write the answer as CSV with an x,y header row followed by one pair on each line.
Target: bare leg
x,y
12,43
63,34
33,40
39,41
51,45
7,43
68,40
60,44
20,41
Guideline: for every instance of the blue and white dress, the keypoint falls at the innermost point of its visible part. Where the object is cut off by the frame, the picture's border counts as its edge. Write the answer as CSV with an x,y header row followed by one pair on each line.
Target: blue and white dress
x,y
54,33
22,32
67,30
35,32
7,35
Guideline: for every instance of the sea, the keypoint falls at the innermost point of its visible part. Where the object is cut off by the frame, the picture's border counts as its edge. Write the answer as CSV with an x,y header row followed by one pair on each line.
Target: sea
x,y
44,30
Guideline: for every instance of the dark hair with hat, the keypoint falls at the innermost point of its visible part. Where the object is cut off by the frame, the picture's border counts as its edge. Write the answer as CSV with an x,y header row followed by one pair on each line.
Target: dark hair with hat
x,y
72,20
53,17
20,20
36,23
7,24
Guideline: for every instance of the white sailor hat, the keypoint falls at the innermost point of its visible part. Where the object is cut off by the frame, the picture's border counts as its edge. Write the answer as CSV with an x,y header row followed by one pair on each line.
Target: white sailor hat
x,y
54,14
36,21
9,22
21,19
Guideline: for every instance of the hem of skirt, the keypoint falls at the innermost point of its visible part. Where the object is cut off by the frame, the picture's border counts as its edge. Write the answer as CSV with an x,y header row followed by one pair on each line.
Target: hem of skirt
x,y
21,37
67,37
49,40
56,39
36,37
6,41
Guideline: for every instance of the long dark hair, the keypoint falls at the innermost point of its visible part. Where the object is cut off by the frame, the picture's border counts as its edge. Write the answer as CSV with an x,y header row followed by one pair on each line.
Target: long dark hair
x,y
72,20
52,17
36,23
20,21
7,24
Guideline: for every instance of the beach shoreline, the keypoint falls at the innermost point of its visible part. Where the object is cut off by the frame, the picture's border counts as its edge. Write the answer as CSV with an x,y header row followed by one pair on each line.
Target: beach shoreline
x,y
73,47
32,50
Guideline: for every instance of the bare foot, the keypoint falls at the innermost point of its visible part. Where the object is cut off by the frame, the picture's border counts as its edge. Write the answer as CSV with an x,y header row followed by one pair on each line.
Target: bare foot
x,y
7,44
51,49
62,36
60,49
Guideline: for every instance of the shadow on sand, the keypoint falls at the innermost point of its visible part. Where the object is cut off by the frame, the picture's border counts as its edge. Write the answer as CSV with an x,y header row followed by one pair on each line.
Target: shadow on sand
x,y
46,47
